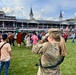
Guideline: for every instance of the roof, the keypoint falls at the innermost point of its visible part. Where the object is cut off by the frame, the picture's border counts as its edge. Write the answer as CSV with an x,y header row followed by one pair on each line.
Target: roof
x,y
60,15
37,21
45,21
31,12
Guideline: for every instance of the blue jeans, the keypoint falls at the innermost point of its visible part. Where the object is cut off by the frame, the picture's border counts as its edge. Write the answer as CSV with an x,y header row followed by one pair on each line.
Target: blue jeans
x,y
7,64
73,39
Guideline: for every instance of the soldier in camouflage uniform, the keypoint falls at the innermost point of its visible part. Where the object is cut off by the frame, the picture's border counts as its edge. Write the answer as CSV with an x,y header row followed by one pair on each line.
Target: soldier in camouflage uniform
x,y
51,52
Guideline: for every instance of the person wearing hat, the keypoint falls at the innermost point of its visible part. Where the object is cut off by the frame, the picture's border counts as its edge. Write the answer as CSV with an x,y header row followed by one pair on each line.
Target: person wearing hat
x,y
5,54
52,52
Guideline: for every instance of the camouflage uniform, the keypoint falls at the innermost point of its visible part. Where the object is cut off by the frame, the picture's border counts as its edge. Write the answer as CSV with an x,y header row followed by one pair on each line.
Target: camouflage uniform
x,y
47,58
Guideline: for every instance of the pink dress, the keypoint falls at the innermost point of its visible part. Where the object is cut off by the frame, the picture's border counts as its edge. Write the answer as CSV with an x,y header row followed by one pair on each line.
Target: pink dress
x,y
35,39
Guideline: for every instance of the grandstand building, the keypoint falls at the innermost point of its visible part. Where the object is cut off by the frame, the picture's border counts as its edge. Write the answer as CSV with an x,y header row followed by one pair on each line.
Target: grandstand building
x,y
11,23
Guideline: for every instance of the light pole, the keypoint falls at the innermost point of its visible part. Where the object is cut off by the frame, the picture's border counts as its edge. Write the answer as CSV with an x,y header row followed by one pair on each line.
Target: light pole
x,y
22,16
43,13
43,16
22,11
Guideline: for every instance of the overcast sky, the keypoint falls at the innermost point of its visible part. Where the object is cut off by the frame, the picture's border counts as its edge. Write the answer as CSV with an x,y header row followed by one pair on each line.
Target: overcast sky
x,y
42,9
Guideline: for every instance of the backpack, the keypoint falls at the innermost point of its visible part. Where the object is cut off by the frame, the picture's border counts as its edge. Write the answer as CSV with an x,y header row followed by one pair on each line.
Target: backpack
x,y
1,48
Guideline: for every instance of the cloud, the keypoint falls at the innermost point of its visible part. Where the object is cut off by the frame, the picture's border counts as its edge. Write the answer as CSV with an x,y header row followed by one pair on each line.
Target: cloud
x,y
50,18
7,10
38,17
51,7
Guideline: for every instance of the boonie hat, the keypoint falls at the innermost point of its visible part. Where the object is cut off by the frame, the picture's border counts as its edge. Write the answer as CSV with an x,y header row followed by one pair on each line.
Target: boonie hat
x,y
52,30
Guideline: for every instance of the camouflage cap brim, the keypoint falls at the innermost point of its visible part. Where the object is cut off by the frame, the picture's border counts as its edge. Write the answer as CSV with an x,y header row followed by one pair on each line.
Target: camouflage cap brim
x,y
52,30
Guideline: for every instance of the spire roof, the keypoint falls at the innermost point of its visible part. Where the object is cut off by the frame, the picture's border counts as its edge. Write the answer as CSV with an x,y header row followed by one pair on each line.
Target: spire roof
x,y
31,12
61,16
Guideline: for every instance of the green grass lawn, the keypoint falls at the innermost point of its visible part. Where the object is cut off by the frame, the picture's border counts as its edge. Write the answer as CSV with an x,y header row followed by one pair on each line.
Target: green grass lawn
x,y
23,62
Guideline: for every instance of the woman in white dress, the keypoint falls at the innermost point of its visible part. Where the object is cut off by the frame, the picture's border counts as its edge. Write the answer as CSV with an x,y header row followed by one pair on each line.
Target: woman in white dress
x,y
28,43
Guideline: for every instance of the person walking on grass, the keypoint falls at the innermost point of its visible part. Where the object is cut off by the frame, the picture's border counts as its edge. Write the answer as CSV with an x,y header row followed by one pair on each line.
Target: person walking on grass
x,y
34,38
73,37
5,54
19,38
28,43
52,53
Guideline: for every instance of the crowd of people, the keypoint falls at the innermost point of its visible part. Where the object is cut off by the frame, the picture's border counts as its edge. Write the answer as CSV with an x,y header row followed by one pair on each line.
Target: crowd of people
x,y
51,46
29,39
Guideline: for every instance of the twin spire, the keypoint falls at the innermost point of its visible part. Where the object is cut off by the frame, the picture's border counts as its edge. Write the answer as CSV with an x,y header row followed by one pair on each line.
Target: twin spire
x,y
60,16
31,14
